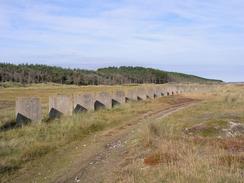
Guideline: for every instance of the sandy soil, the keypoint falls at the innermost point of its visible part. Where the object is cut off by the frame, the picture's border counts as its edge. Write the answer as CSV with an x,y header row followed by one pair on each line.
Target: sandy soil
x,y
112,150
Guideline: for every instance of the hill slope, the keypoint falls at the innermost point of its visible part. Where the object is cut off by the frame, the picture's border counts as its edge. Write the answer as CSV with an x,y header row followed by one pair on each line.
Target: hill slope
x,y
25,74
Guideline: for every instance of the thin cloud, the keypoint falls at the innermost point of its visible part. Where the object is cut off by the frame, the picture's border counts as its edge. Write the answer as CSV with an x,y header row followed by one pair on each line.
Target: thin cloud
x,y
145,32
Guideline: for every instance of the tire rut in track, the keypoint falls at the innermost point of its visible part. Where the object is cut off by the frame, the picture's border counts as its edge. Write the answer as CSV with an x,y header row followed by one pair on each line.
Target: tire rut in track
x,y
101,162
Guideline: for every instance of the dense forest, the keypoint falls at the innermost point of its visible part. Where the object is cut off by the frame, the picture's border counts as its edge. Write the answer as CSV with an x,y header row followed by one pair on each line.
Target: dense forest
x,y
29,73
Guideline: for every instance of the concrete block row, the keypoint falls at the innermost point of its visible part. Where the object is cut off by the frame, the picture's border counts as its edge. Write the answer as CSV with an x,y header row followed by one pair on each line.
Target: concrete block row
x,y
29,108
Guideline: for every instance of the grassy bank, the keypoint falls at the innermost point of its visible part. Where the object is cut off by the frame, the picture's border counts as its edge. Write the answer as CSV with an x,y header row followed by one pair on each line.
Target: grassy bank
x,y
203,143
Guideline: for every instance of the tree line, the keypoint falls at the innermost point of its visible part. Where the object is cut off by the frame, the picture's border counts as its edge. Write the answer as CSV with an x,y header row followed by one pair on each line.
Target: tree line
x,y
30,73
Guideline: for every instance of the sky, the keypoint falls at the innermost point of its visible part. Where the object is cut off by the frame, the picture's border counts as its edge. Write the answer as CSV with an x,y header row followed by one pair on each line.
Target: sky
x,y
204,38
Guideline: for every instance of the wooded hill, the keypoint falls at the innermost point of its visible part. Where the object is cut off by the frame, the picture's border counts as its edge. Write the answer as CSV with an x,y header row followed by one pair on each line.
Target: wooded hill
x,y
29,73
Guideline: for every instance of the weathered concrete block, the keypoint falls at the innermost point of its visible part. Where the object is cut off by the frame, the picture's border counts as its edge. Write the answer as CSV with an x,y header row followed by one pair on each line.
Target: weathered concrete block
x,y
60,105
157,92
163,91
168,92
118,97
150,93
141,94
28,109
103,100
174,90
131,95
178,89
84,102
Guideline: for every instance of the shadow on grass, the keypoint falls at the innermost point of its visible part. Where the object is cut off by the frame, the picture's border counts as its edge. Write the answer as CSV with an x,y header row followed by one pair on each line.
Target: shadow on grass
x,y
8,169
9,125
12,124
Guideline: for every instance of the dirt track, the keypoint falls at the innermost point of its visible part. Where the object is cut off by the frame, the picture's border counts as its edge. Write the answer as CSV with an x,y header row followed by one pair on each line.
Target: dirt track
x,y
106,153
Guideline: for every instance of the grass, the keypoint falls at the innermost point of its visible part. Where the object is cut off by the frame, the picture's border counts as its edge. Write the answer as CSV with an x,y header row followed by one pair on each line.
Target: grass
x,y
20,146
192,145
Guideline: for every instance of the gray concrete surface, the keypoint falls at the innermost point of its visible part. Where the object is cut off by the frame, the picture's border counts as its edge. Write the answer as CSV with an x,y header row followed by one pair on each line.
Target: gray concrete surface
x,y
118,97
28,109
60,105
150,93
141,93
84,102
131,95
103,100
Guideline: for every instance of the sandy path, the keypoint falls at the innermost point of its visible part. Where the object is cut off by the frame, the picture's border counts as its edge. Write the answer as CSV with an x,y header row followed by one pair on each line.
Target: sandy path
x,y
107,152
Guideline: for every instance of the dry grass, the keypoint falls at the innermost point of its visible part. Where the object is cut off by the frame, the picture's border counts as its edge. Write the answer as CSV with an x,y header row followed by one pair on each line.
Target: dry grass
x,y
23,145
176,150
193,144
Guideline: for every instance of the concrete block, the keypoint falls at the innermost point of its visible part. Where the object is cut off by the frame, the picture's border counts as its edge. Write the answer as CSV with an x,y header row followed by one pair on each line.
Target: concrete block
x,y
28,109
60,105
103,100
84,102
157,91
118,97
141,93
131,95
172,91
163,91
168,92
150,93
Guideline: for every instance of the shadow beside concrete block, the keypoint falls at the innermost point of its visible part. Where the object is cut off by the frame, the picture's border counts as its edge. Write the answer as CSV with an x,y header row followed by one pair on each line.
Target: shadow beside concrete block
x,y
139,99
79,109
148,97
54,113
115,103
21,119
130,100
98,105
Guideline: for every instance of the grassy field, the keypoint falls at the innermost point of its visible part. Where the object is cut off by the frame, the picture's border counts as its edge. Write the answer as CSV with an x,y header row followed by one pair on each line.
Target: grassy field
x,y
203,143
22,145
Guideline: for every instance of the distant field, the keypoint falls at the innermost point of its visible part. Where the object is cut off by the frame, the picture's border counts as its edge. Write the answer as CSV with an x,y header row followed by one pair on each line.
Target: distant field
x,y
43,91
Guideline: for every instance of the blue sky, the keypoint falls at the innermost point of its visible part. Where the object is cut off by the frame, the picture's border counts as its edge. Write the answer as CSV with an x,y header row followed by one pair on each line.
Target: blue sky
x,y
205,38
